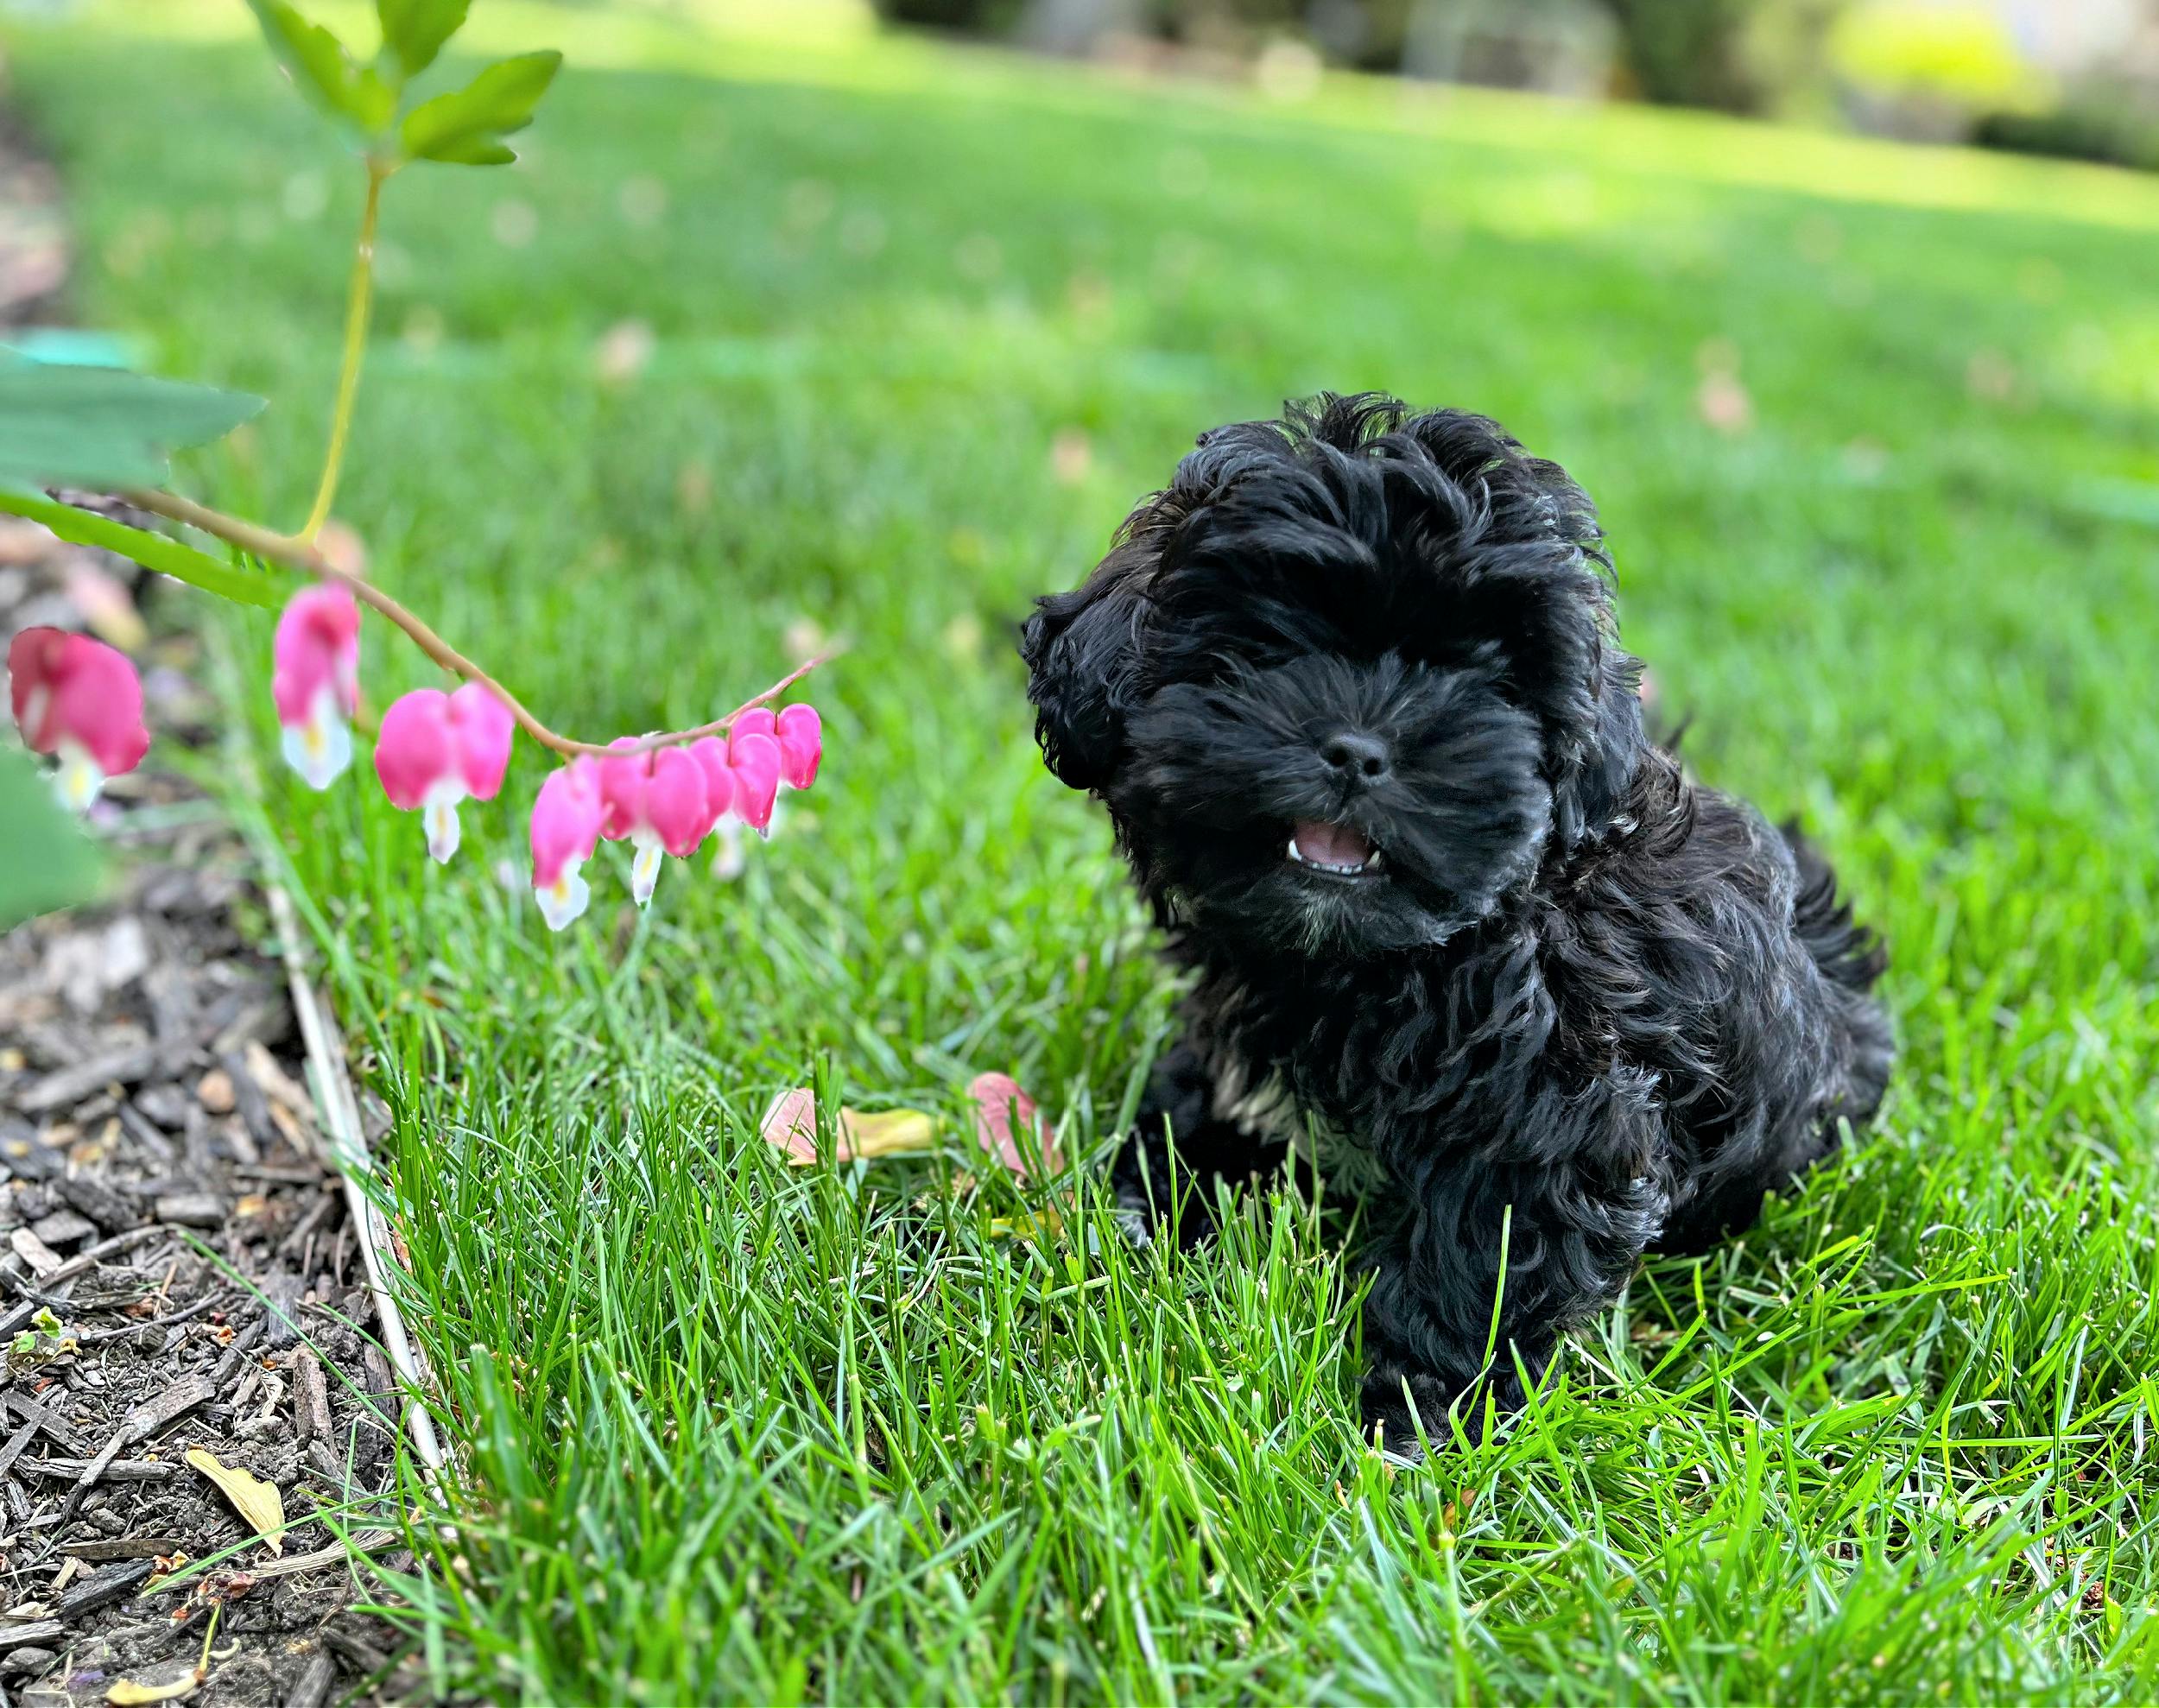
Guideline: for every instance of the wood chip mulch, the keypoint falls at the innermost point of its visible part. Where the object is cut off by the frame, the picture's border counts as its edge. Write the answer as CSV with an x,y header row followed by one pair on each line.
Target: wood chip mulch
x,y
177,1268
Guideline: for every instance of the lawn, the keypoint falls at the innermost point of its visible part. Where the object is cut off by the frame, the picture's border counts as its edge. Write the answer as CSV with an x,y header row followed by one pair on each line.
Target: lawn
x,y
924,321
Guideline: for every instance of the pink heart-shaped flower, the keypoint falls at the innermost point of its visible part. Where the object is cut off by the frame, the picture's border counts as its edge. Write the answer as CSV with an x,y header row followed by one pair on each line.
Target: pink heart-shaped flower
x,y
711,754
70,691
674,803
484,729
565,820
415,748
622,790
756,760
317,647
801,738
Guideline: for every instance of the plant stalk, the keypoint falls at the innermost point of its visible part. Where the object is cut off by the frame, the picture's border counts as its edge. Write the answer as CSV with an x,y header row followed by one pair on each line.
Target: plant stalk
x,y
359,300
298,552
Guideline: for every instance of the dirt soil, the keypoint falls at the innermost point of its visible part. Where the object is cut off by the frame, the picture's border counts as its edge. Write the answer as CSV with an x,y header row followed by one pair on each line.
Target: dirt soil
x,y
177,1269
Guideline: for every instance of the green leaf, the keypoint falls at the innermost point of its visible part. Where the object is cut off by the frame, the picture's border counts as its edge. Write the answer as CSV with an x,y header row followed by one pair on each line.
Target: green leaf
x,y
414,30
317,62
474,151
103,428
153,551
467,125
45,860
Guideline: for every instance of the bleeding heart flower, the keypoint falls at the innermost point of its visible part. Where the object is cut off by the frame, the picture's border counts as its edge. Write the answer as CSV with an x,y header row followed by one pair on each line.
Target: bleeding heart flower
x,y
316,681
655,800
566,826
711,754
754,754
80,700
801,738
722,789
436,749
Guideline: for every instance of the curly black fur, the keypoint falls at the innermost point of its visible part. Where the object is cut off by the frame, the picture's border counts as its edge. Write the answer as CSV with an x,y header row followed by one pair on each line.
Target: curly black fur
x,y
1580,1005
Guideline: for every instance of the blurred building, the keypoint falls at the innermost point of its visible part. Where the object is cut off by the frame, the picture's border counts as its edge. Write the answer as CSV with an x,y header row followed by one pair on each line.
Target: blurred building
x,y
2065,76
1565,46
2078,78
2075,38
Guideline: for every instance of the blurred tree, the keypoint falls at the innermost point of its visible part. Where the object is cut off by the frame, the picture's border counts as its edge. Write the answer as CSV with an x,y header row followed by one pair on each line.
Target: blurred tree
x,y
1689,52
971,15
1225,23
2097,122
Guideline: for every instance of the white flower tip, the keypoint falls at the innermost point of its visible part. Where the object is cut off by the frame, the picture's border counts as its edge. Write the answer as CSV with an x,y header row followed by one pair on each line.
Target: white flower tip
x,y
728,859
320,748
644,871
563,900
78,780
442,819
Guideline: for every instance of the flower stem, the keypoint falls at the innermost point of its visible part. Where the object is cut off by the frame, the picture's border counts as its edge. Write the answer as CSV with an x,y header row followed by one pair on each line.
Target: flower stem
x,y
298,552
359,298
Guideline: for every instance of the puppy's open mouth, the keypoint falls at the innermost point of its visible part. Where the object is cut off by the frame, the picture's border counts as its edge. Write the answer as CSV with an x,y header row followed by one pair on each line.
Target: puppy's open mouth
x,y
1341,850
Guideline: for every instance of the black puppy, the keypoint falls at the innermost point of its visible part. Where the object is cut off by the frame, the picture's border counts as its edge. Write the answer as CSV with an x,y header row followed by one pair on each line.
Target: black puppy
x,y
1352,692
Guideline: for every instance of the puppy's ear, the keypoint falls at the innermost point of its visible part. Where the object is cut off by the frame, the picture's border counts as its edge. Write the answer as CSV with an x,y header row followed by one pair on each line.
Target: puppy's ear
x,y
1568,665
1593,773
1083,651
1541,582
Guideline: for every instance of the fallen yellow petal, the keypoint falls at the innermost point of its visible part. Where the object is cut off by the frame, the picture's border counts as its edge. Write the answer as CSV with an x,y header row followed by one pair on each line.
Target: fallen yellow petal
x,y
1044,1222
887,1134
257,1502
127,1691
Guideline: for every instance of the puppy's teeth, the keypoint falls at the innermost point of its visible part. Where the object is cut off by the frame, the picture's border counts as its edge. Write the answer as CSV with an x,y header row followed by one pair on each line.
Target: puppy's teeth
x,y
1339,870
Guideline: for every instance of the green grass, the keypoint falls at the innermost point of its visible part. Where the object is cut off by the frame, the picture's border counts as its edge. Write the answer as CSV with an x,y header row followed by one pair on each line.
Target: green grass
x,y
728,1432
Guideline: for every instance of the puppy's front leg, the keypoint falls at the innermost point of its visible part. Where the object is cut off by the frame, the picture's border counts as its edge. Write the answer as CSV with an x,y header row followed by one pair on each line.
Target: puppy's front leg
x,y
1502,1252
1178,1149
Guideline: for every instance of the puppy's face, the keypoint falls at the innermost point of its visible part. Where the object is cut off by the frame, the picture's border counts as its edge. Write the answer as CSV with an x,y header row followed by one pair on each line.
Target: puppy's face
x,y
1343,681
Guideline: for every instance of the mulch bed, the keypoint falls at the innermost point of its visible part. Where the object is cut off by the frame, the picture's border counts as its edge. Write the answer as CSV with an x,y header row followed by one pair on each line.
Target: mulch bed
x,y
177,1268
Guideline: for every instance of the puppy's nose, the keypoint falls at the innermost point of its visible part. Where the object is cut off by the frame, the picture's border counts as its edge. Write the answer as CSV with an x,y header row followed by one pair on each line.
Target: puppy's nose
x,y
1356,759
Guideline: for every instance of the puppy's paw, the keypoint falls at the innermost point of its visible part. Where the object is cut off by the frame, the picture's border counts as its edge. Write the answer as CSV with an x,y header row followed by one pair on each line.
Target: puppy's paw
x,y
1137,1221
1391,1423
1156,1196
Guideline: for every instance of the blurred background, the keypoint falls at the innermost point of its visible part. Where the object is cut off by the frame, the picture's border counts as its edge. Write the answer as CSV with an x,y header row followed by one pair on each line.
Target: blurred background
x,y
2074,78
795,319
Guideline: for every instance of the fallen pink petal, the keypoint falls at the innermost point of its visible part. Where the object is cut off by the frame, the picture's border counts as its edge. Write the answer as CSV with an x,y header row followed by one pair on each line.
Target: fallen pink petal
x,y
315,681
790,1124
1002,1110
80,701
